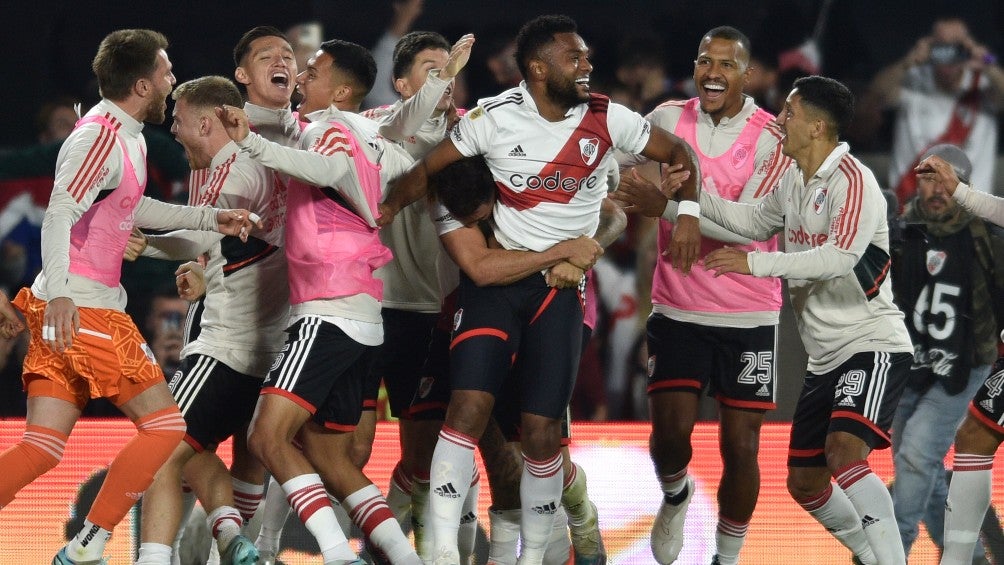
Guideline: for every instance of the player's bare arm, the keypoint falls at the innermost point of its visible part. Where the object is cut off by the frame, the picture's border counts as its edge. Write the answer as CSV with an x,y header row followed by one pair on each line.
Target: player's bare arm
x,y
414,184
667,148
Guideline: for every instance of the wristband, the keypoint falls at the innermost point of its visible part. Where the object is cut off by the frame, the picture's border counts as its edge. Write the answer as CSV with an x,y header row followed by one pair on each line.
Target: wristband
x,y
689,208
989,59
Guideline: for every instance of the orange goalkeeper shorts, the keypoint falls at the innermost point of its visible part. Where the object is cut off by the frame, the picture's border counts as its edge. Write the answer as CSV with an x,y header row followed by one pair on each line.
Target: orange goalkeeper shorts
x,y
109,357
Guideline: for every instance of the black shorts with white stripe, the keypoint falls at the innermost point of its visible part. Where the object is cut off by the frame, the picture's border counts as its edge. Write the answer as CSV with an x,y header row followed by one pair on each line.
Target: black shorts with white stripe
x,y
215,400
737,366
988,404
323,370
858,397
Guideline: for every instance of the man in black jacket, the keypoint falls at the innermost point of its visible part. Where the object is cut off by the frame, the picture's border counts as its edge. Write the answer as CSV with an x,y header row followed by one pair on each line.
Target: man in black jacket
x,y
944,280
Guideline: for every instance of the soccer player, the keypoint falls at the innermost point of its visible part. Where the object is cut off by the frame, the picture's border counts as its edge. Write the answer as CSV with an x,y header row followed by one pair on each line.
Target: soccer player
x,y
707,333
83,345
314,389
241,332
548,143
465,192
424,66
832,214
246,307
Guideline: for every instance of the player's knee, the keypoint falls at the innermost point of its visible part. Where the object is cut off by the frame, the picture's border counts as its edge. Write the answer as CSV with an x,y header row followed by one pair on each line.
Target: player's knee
x,y
360,453
469,414
975,437
802,486
842,449
262,444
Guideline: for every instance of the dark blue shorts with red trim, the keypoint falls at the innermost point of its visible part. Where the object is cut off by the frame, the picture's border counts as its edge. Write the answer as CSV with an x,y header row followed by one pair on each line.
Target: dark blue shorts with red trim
x,y
539,324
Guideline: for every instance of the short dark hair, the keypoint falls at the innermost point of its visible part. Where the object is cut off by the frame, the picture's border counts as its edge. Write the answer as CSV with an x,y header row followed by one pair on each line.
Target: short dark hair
x,y
830,97
243,46
354,60
538,33
463,186
411,45
208,92
125,56
731,34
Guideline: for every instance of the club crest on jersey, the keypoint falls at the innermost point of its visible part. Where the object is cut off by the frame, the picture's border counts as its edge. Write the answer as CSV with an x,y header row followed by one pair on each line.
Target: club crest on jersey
x,y
740,153
819,200
589,148
457,317
936,261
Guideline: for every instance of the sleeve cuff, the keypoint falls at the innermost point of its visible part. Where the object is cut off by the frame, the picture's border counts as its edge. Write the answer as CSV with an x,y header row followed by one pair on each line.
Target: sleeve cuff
x,y
961,190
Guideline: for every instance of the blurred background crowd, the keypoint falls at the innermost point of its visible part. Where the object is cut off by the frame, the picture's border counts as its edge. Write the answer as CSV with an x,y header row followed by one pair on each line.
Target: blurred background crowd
x,y
892,54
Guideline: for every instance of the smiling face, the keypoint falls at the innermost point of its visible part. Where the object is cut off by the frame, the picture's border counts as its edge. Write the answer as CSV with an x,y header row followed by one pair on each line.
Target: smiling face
x,y
316,83
162,83
412,81
796,124
268,72
567,68
721,71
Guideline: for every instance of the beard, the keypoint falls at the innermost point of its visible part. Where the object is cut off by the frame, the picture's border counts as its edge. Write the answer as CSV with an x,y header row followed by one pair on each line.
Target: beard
x,y
565,93
156,112
946,213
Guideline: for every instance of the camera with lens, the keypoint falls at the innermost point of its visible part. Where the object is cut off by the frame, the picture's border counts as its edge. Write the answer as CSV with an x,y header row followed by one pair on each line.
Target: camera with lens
x,y
948,53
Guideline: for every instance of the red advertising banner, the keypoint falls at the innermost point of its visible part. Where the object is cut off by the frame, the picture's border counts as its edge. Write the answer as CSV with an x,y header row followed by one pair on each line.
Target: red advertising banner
x,y
615,457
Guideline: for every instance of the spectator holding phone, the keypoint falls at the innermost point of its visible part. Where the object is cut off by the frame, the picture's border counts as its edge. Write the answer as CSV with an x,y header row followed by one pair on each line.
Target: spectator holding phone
x,y
947,89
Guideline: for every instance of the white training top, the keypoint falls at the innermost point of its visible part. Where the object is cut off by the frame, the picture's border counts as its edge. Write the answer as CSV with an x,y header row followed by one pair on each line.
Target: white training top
x,y
828,226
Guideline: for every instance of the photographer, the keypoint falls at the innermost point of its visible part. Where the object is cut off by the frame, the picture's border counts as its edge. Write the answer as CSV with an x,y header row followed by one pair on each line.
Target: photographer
x,y
946,89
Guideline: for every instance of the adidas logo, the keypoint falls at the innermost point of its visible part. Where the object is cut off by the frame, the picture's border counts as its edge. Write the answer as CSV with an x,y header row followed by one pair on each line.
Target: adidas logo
x,y
847,402
868,521
469,518
764,391
446,491
517,152
987,404
548,508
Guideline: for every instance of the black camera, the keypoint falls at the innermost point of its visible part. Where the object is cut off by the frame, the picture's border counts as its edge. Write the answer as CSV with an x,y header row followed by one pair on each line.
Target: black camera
x,y
948,53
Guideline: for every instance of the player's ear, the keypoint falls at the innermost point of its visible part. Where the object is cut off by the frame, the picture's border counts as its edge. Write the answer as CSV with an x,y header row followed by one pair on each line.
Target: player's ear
x,y
242,76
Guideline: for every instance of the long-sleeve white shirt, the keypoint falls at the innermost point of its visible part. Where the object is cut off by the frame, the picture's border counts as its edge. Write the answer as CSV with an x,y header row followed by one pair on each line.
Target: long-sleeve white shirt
x,y
92,162
828,225
410,279
247,297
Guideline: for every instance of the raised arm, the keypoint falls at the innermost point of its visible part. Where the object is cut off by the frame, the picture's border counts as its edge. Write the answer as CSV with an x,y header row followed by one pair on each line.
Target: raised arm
x,y
406,120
